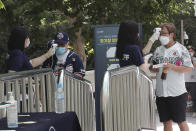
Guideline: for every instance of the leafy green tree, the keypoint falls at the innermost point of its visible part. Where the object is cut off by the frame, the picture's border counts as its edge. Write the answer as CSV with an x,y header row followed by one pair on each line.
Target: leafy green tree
x,y
190,28
1,5
44,18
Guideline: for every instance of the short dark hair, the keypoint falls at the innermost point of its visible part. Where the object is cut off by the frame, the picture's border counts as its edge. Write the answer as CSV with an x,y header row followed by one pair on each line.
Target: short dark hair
x,y
170,27
127,35
17,38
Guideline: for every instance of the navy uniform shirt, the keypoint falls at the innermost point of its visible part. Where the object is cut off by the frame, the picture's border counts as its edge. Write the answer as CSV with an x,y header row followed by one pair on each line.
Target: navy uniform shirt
x,y
17,61
72,64
131,56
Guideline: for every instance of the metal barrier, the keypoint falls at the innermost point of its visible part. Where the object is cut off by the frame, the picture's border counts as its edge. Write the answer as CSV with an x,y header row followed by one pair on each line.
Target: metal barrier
x,y
28,87
127,100
79,98
35,92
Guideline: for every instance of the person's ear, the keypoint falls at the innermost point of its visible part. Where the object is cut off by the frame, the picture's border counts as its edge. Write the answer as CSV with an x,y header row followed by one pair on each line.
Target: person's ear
x,y
171,35
67,44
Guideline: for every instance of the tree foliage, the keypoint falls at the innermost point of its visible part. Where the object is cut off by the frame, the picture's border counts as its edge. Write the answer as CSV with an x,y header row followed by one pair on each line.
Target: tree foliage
x,y
44,18
1,5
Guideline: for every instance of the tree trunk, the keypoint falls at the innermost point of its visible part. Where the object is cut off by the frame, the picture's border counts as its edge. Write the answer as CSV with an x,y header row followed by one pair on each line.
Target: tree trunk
x,y
79,46
79,42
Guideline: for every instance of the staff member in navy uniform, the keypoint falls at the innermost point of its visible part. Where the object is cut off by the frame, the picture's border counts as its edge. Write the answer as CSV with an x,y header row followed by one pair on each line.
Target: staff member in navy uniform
x,y
16,59
64,57
128,45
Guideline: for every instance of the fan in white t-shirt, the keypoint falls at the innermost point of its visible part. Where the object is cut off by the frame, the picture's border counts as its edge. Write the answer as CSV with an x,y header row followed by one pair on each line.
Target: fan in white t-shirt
x,y
171,96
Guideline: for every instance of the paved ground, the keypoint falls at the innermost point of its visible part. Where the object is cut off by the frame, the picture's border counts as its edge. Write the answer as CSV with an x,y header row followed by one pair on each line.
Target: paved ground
x,y
191,122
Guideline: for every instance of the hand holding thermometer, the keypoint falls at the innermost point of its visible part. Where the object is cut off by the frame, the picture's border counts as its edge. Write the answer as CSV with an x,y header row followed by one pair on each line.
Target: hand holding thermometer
x,y
157,30
54,45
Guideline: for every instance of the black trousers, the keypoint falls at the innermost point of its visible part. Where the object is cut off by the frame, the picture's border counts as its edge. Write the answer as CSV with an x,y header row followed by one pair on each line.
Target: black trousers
x,y
191,88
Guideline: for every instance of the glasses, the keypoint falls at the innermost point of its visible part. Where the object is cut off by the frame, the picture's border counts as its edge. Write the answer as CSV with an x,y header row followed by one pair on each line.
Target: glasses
x,y
164,33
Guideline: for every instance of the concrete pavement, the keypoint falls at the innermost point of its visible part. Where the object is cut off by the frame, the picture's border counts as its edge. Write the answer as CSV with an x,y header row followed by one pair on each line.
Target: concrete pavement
x,y
191,122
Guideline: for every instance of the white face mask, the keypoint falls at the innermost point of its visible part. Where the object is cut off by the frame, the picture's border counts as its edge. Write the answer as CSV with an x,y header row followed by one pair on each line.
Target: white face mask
x,y
27,42
164,40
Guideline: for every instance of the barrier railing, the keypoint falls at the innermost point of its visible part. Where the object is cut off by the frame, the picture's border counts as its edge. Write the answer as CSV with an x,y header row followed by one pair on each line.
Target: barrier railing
x,y
34,91
127,100
29,89
79,98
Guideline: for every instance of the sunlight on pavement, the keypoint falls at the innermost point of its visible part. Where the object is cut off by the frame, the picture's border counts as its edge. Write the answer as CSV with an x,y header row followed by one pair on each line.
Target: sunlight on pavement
x,y
191,122
192,127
